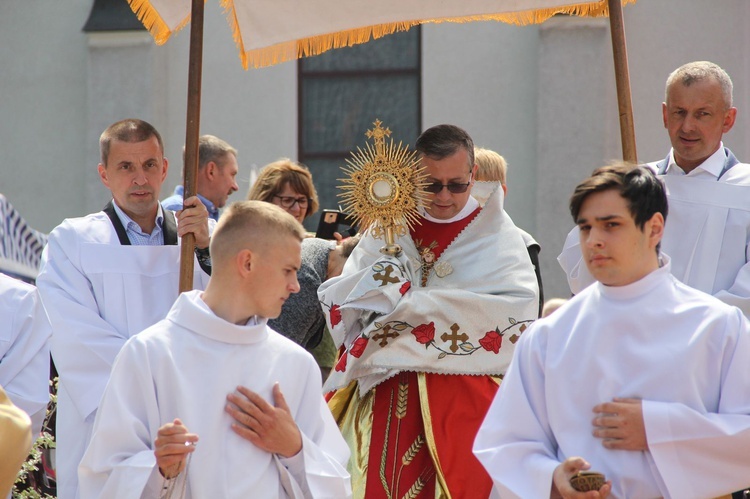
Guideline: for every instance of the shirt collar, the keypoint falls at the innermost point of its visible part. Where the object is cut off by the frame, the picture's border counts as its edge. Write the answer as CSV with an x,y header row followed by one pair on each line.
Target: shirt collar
x,y
714,164
130,224
471,205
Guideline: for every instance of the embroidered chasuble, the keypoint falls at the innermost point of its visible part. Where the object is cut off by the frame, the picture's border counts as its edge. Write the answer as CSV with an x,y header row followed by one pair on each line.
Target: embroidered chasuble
x,y
423,337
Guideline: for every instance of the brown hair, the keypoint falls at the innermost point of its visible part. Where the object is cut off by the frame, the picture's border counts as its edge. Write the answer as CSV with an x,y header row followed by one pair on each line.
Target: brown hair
x,y
275,175
129,130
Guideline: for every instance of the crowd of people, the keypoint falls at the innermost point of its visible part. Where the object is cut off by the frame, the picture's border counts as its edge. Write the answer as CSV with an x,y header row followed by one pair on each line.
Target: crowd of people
x,y
312,368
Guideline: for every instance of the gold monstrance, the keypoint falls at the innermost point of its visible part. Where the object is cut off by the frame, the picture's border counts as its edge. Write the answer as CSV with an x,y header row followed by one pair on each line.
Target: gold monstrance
x,y
384,188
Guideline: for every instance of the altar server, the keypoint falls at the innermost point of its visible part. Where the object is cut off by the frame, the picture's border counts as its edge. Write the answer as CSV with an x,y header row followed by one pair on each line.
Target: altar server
x,y
211,402
24,348
109,275
638,377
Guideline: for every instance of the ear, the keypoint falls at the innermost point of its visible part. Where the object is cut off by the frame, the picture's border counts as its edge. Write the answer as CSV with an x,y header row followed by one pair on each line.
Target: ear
x,y
474,173
505,189
103,174
654,229
211,170
245,262
729,117
165,168
664,113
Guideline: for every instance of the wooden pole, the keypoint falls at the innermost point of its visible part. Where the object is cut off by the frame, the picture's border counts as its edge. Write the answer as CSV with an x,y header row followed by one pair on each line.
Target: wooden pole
x,y
195,70
622,78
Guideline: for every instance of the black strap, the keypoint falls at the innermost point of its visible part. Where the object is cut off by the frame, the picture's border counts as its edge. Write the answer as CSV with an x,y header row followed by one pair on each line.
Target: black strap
x,y
122,234
169,226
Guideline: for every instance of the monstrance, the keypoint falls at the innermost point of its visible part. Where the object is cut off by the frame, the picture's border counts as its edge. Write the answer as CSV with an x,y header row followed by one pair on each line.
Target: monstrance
x,y
384,188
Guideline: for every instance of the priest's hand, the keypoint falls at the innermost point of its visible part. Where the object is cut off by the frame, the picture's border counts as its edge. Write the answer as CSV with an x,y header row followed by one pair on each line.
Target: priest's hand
x,y
269,427
620,424
194,218
172,445
561,487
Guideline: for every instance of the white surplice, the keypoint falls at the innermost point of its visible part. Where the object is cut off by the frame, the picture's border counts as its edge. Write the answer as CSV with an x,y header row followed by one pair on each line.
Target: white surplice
x,y
24,349
681,351
97,294
184,367
707,232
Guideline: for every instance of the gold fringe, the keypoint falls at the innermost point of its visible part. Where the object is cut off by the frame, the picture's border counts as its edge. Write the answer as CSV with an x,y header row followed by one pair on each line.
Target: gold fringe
x,y
316,45
153,22
305,47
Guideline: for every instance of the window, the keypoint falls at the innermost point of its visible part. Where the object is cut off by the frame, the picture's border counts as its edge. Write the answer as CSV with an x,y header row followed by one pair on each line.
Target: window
x,y
342,92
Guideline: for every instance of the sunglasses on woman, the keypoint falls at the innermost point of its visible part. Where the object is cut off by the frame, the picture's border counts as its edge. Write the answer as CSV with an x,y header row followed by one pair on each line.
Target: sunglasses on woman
x,y
288,201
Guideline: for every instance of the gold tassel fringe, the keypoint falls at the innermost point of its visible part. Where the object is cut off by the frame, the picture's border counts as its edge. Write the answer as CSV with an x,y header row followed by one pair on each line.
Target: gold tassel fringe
x,y
288,51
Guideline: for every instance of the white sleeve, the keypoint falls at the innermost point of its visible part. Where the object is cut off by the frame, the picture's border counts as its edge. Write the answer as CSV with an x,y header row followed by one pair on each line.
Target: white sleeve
x,y
519,457
571,261
83,344
738,293
320,468
119,461
24,353
705,454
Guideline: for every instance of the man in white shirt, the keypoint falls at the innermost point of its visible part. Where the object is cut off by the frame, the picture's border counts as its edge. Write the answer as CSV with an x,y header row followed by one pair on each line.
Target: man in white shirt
x,y
214,370
109,275
708,233
638,377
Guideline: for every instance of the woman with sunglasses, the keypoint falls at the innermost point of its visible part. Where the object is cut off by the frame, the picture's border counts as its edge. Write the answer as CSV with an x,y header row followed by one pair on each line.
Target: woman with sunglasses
x,y
288,185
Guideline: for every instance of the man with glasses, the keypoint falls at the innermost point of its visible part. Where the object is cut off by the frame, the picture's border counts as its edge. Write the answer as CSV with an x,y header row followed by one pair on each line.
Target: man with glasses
x,y
424,336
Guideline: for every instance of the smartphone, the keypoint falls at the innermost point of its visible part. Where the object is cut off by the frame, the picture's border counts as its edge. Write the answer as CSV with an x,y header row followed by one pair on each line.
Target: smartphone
x,y
335,221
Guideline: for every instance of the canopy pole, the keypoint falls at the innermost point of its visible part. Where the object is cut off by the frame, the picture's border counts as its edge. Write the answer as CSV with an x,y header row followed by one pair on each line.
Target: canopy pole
x,y
195,70
622,78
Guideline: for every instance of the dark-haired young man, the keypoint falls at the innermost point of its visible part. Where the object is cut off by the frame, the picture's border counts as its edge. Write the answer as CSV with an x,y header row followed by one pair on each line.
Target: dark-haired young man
x,y
109,275
638,377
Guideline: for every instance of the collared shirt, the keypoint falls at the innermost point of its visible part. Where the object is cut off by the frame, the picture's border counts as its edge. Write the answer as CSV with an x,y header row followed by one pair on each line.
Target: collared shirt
x,y
174,203
136,235
708,170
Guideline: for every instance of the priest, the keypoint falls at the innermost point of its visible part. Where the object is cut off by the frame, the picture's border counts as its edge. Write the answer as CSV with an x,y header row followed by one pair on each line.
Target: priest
x,y
109,275
639,377
204,403
425,336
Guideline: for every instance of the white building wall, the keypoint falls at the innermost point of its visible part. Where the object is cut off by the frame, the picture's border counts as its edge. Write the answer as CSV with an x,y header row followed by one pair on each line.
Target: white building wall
x,y
543,96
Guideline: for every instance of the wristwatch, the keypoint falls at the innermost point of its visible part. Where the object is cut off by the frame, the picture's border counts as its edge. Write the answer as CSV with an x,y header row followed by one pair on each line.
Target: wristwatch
x,y
204,259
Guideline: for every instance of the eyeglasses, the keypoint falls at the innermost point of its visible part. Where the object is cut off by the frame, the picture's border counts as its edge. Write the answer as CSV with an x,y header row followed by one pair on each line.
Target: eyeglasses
x,y
288,201
452,187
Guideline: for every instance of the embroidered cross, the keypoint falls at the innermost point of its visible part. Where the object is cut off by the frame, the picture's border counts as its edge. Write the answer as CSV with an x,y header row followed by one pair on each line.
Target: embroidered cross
x,y
454,337
384,335
385,277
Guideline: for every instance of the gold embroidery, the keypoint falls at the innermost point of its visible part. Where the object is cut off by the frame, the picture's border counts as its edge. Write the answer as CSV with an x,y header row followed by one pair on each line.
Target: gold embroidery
x,y
413,450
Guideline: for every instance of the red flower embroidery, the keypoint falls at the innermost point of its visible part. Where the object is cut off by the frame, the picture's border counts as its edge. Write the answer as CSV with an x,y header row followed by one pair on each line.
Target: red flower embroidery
x,y
405,287
492,341
358,347
424,333
335,315
341,364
